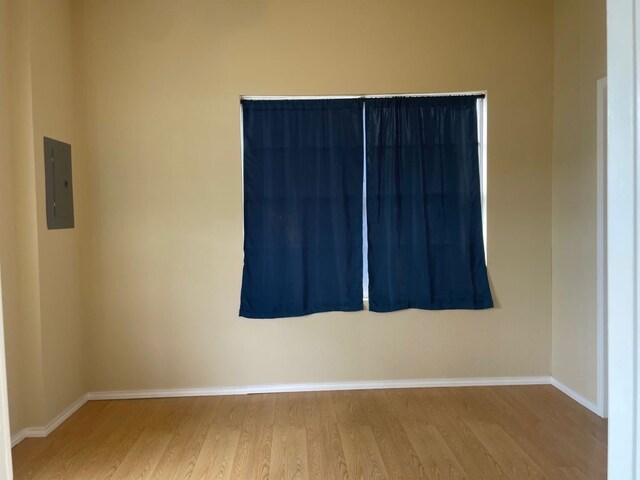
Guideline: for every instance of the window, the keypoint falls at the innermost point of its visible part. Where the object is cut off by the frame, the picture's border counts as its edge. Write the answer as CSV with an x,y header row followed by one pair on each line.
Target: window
x,y
317,151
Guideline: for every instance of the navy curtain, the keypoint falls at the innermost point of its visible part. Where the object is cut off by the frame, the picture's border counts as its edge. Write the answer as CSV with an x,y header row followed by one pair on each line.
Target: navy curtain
x,y
423,205
303,171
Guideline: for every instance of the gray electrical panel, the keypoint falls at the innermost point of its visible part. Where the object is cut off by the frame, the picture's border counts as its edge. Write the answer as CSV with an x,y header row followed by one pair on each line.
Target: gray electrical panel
x,y
59,188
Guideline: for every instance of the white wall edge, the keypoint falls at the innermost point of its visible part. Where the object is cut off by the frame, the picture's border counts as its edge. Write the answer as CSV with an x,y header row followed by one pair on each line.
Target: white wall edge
x,y
601,246
40,432
623,239
582,400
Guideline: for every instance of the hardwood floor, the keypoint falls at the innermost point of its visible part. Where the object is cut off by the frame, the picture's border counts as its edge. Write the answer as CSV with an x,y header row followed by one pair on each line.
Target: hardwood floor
x,y
440,433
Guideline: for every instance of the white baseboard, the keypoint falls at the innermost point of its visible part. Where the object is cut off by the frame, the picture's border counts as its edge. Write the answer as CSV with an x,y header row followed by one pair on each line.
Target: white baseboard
x,y
318,387
298,387
582,400
40,432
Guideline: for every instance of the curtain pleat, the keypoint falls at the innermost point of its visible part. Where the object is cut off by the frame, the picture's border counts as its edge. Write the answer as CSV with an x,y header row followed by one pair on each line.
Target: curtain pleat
x,y
303,171
423,202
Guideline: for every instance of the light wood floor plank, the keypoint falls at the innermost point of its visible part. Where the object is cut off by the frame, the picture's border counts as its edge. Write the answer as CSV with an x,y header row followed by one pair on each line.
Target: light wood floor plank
x,y
143,457
324,448
253,455
289,453
479,433
448,415
186,443
361,452
121,433
513,460
525,429
436,457
400,457
217,455
68,443
571,473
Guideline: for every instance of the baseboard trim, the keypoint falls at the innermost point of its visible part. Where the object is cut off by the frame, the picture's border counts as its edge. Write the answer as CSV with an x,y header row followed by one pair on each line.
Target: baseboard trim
x,y
21,435
40,432
582,400
317,387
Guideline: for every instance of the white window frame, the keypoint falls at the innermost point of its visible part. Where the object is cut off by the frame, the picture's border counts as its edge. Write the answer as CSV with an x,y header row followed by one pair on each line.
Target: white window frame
x,y
482,158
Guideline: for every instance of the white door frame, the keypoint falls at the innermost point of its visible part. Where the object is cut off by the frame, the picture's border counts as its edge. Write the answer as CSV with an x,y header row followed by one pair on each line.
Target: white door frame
x,y
623,205
601,249
6,468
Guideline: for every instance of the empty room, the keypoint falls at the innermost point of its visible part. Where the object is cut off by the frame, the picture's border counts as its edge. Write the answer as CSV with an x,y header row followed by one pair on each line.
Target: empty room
x,y
318,239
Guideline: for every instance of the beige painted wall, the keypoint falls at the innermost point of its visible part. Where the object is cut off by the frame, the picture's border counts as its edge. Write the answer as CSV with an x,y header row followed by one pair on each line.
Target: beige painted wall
x,y
21,289
162,238
54,115
8,237
580,60
41,274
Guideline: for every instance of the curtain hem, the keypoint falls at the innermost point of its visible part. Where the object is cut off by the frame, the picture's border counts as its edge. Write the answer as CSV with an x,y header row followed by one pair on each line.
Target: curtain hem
x,y
247,314
478,305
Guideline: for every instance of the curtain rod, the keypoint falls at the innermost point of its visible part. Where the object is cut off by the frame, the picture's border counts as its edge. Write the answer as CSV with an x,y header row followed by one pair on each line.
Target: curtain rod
x,y
479,94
